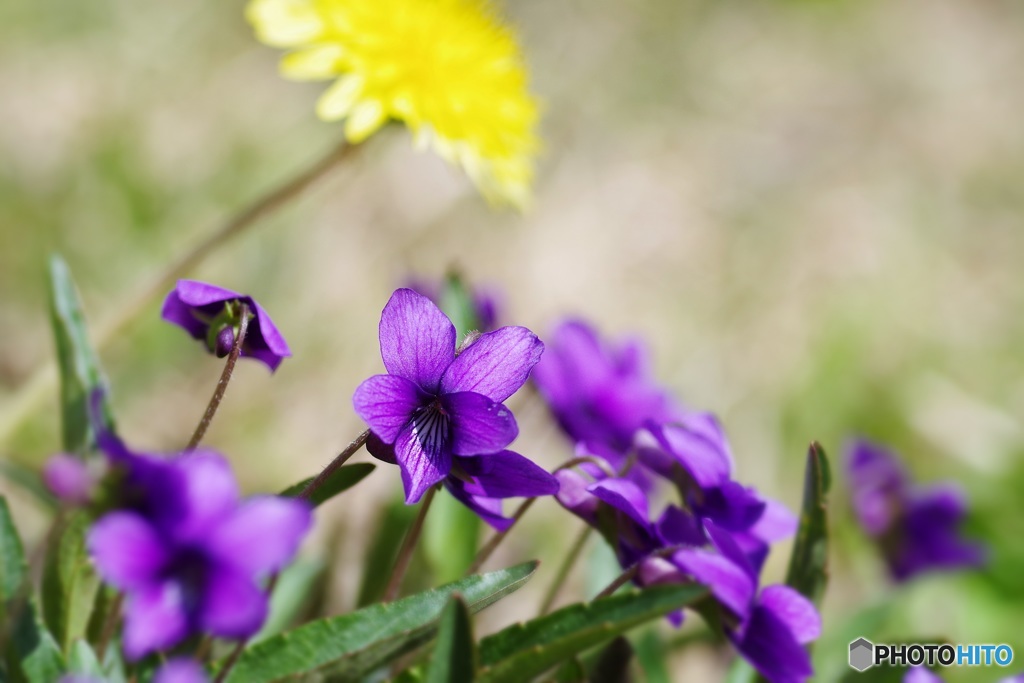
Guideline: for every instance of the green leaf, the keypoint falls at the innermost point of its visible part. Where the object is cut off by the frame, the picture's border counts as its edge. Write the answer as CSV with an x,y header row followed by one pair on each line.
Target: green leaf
x,y
292,592
808,565
349,646
82,659
523,651
387,537
80,373
70,584
454,657
340,480
30,651
450,535
570,671
457,303
29,480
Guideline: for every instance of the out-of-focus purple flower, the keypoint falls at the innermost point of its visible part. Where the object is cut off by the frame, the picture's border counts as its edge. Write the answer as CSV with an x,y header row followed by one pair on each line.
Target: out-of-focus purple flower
x,y
486,302
211,313
189,554
69,479
920,674
438,408
600,392
917,528
180,670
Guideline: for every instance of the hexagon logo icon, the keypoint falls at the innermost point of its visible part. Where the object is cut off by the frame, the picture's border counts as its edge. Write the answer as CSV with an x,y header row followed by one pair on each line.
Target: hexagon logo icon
x,y
862,654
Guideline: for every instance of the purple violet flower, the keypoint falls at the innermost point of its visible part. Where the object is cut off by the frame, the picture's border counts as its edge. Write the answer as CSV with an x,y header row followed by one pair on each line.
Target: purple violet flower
x,y
920,674
598,392
439,410
180,670
210,313
189,554
69,479
915,527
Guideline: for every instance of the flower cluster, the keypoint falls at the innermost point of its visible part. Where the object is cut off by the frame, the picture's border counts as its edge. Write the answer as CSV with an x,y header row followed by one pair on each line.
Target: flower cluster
x,y
449,69
439,413
915,527
631,434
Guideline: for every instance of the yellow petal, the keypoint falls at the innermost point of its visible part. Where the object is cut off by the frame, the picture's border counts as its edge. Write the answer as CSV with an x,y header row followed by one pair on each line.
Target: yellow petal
x,y
365,119
312,64
339,99
284,23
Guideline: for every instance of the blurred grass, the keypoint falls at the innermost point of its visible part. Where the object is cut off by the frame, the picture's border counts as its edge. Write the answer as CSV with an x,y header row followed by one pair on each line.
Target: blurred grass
x,y
811,208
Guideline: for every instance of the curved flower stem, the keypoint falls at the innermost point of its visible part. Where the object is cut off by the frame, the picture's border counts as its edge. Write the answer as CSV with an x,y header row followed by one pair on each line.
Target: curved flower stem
x,y
631,572
408,546
33,392
333,465
222,383
485,552
564,569
488,549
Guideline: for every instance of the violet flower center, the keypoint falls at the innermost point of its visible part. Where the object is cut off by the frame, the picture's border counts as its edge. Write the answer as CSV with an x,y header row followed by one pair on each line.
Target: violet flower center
x,y
432,426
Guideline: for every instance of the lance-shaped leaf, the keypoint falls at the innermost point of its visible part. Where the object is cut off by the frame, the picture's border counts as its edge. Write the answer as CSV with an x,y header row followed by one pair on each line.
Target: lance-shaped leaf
x,y
352,645
80,373
340,480
70,582
454,657
30,652
524,651
808,565
456,301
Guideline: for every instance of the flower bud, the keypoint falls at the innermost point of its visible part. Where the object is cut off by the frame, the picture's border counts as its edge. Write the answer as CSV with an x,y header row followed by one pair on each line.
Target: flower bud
x,y
68,478
225,341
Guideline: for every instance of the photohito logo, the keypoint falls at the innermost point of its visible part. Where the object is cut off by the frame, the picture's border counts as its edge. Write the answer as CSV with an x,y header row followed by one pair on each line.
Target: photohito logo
x,y
864,654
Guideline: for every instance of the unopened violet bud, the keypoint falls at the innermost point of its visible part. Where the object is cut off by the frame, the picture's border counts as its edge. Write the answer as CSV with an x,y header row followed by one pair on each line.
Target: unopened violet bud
x,y
225,342
68,478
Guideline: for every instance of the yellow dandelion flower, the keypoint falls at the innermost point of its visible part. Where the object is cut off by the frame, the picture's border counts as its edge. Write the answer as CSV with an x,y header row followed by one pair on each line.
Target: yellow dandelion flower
x,y
446,68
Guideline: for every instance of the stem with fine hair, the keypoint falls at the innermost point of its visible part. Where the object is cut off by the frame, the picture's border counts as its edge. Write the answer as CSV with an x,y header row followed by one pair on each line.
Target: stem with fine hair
x,y
33,392
631,572
564,569
222,383
408,546
333,465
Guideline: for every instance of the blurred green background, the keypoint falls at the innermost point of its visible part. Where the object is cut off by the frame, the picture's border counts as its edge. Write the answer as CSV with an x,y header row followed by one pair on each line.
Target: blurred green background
x,y
811,209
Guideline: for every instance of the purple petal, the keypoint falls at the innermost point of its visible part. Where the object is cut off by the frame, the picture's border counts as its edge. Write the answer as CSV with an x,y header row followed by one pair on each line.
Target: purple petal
x,y
732,506
478,424
777,523
920,674
730,584
154,620
699,445
263,341
232,605
794,610
678,527
380,450
263,534
68,478
574,496
877,482
507,474
387,403
207,492
195,293
425,459
767,643
487,509
417,340
731,546
495,365
128,551
180,670
625,496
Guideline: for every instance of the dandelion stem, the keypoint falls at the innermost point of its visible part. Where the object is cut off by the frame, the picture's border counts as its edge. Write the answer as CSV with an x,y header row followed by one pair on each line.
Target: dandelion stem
x,y
332,466
408,546
564,569
34,391
222,383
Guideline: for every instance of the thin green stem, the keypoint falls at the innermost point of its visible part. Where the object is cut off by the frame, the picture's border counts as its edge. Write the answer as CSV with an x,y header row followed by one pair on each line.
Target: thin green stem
x,y
332,466
408,546
564,569
222,383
